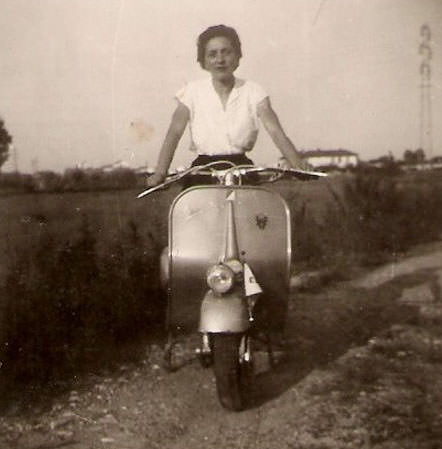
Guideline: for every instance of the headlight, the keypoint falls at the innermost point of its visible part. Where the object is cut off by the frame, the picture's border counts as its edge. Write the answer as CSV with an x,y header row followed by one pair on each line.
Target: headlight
x,y
220,278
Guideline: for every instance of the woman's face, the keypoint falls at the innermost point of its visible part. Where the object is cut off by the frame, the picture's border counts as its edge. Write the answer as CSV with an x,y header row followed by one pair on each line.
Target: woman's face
x,y
220,58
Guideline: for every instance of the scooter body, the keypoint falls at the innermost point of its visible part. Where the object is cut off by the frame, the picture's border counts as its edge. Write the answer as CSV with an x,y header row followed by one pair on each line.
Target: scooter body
x,y
202,219
227,271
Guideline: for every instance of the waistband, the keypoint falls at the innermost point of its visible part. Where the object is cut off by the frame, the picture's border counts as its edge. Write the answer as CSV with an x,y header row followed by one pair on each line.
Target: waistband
x,y
237,159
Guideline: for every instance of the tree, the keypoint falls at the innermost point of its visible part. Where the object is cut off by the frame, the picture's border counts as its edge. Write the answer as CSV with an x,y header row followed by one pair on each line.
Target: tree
x,y
5,141
409,157
414,157
420,155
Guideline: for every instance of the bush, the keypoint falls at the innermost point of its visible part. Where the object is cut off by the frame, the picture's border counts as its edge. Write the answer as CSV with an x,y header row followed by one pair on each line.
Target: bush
x,y
67,308
375,218
72,180
391,217
16,182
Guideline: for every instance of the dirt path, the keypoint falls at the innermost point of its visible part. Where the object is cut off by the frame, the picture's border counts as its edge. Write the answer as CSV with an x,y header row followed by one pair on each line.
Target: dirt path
x,y
363,369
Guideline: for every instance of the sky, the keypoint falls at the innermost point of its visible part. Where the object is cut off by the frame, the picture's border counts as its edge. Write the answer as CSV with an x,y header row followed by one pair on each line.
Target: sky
x,y
90,82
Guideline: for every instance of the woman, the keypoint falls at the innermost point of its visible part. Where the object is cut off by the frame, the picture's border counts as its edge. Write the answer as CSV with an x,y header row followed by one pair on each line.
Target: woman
x,y
223,112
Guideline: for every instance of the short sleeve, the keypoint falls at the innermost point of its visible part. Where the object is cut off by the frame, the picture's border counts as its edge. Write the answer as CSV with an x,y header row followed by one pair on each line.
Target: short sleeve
x,y
184,96
257,93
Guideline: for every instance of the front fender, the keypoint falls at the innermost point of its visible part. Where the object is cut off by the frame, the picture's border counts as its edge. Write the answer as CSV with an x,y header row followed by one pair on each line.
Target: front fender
x,y
224,313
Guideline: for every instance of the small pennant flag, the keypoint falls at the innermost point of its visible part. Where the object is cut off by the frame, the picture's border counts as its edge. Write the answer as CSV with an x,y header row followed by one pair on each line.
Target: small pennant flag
x,y
250,283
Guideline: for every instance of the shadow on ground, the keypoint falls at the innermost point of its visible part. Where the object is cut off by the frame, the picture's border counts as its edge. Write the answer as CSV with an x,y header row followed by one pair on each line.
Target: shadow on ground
x,y
324,325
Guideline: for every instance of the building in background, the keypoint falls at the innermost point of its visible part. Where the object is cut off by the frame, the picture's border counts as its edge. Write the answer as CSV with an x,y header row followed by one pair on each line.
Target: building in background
x,y
331,158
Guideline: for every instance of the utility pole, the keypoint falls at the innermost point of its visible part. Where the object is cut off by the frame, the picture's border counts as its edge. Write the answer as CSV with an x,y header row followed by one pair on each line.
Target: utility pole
x,y
425,116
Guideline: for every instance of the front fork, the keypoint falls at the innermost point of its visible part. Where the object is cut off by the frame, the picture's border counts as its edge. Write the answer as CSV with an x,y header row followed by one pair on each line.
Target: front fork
x,y
204,352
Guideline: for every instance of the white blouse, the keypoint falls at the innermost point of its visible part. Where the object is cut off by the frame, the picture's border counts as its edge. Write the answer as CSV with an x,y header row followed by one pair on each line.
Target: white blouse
x,y
216,129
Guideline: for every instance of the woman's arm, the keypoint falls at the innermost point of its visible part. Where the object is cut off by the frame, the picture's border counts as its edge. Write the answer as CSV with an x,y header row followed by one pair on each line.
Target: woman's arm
x,y
176,129
272,125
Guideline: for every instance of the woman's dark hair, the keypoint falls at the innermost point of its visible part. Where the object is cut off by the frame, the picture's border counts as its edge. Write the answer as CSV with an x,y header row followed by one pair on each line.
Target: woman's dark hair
x,y
217,31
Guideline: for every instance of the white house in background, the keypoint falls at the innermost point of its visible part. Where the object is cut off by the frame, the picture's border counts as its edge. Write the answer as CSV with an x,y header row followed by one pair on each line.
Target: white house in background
x,y
144,170
114,166
331,158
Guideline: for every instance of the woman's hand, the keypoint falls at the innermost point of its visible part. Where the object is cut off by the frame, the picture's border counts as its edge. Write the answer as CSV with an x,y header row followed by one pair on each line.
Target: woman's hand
x,y
303,165
155,179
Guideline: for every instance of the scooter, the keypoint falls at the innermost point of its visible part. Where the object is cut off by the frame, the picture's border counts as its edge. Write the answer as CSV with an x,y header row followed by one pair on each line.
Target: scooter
x,y
227,269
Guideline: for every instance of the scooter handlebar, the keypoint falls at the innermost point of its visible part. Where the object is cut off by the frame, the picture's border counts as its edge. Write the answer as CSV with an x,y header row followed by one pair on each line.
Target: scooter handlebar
x,y
274,173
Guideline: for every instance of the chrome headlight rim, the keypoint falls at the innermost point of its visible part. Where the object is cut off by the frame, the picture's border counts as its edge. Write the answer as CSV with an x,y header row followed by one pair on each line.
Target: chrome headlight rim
x,y
220,278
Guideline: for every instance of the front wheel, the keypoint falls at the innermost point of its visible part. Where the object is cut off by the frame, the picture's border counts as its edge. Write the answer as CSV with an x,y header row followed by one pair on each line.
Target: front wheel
x,y
232,371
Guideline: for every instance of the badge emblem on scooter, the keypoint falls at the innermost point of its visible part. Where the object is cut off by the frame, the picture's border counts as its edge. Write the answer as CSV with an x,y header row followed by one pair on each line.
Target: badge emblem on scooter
x,y
261,221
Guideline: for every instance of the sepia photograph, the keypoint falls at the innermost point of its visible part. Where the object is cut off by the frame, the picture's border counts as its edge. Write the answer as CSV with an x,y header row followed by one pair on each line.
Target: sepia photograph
x,y
221,224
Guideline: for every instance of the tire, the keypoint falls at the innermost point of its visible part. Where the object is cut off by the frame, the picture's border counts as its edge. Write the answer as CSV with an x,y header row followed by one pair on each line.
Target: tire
x,y
232,377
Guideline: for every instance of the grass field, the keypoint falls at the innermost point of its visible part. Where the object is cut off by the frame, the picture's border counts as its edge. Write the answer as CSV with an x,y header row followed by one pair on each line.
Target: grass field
x,y
27,217
80,270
